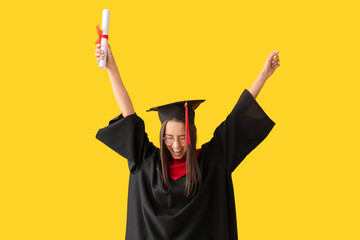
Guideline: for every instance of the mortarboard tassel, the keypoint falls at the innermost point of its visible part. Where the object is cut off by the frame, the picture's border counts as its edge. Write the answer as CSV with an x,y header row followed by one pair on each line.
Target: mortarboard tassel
x,y
187,130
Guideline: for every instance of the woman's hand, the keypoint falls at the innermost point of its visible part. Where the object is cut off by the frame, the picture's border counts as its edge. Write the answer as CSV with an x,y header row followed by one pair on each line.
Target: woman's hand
x,y
272,62
99,54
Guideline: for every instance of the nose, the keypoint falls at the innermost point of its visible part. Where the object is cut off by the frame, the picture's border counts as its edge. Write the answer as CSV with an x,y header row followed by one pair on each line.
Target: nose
x,y
176,142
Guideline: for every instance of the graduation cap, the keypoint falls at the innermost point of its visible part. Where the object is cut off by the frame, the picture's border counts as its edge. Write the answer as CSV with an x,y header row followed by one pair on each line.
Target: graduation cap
x,y
182,110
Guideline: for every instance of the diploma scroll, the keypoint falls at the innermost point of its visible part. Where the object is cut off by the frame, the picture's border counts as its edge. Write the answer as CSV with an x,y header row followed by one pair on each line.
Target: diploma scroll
x,y
105,32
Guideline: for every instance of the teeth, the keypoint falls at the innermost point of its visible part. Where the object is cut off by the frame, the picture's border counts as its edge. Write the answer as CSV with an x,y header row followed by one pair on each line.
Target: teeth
x,y
177,151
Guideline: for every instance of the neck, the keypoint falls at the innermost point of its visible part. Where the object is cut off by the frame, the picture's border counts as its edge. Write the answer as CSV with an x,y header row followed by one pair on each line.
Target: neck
x,y
183,159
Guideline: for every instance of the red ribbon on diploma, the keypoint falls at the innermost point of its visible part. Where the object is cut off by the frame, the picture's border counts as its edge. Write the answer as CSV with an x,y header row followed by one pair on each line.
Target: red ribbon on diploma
x,y
100,35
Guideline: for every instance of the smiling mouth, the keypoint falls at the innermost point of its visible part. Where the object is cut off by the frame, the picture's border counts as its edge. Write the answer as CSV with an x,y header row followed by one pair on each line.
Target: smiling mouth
x,y
177,152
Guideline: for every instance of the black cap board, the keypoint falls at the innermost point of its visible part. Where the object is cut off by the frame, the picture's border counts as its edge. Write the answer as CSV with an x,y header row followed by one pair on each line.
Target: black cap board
x,y
177,110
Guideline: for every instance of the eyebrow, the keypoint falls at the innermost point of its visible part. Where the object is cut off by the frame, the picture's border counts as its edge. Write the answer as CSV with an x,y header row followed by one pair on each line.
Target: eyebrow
x,y
173,135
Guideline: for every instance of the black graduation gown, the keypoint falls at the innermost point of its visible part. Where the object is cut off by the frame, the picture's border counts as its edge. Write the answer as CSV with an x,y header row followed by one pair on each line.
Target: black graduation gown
x,y
156,214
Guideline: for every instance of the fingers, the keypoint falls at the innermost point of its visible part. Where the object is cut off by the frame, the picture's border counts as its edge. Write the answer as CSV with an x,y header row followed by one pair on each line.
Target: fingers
x,y
275,59
273,54
99,54
275,62
276,65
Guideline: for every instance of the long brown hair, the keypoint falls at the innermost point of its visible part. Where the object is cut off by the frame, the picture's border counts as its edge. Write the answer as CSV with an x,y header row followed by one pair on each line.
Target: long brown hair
x,y
193,173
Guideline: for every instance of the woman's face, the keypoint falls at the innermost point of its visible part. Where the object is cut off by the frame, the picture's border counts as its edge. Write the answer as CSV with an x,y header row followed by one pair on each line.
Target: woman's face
x,y
175,131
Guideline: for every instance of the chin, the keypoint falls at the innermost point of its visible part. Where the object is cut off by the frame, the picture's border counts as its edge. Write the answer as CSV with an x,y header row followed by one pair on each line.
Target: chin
x,y
178,157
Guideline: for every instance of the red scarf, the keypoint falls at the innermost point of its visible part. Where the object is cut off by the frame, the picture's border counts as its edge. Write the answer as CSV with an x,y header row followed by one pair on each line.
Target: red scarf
x,y
177,167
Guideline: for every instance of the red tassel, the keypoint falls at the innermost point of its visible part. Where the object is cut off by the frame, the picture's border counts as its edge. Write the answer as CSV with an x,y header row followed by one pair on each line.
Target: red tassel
x,y
100,35
187,130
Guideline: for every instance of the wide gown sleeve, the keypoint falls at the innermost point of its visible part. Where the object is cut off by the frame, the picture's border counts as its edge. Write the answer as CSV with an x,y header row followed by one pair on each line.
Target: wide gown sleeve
x,y
245,128
127,137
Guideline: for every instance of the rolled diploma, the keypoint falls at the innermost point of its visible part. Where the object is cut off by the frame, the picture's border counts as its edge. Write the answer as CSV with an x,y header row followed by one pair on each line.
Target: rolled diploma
x,y
105,31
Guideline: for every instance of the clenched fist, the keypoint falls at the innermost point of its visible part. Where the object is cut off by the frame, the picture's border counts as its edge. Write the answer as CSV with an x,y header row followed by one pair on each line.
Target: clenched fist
x,y
271,63
99,54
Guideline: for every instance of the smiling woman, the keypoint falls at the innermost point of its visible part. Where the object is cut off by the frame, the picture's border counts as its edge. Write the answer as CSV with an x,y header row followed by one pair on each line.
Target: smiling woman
x,y
177,133
162,202
173,147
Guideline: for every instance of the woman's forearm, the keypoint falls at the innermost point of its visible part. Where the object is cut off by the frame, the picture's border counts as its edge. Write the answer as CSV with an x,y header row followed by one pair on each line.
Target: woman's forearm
x,y
258,84
121,95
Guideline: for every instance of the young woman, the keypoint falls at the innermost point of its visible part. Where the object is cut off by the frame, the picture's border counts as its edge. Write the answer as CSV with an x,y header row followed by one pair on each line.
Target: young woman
x,y
178,192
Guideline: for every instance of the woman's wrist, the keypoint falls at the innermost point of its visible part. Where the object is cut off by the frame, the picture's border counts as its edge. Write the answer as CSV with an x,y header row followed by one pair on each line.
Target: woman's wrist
x,y
263,76
258,84
112,69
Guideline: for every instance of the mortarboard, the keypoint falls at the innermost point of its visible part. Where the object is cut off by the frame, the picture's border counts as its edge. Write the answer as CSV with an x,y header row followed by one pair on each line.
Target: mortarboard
x,y
181,110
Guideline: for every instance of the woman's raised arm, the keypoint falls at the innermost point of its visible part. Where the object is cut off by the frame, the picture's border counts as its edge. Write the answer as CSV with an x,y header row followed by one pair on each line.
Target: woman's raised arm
x,y
121,95
272,62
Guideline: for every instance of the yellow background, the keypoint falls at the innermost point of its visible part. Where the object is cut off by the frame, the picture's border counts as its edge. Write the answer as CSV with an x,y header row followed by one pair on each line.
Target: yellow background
x,y
59,182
